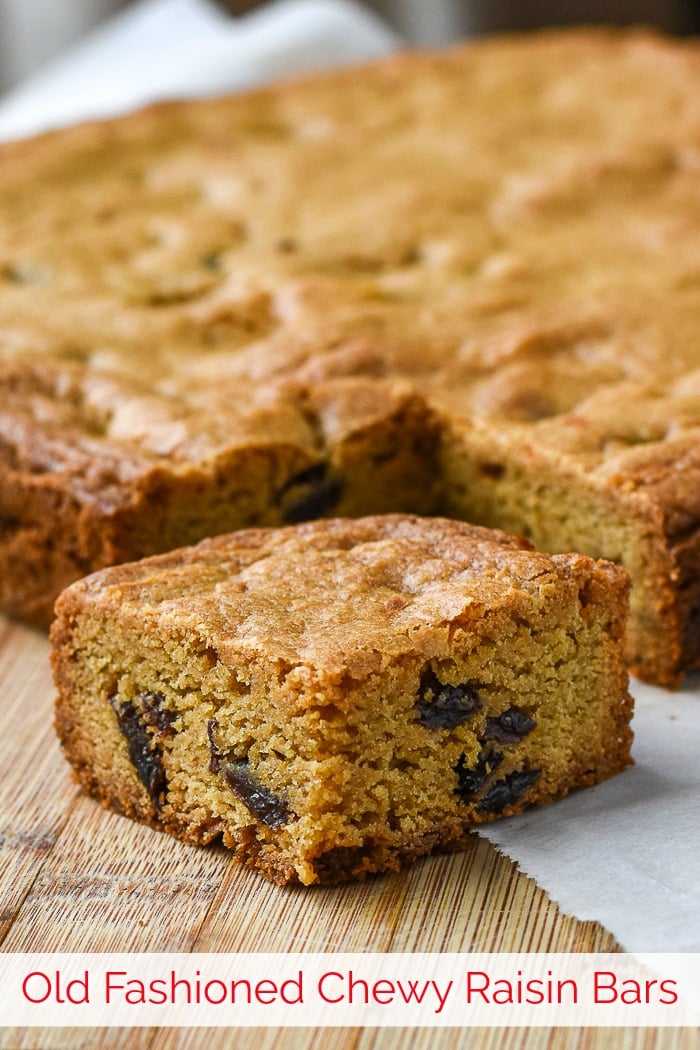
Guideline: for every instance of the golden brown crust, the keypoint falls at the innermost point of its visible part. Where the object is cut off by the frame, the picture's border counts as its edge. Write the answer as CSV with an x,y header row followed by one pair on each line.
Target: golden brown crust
x,y
201,302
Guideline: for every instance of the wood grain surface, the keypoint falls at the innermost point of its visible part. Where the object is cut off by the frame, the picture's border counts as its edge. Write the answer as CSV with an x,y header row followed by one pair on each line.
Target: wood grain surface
x,y
76,878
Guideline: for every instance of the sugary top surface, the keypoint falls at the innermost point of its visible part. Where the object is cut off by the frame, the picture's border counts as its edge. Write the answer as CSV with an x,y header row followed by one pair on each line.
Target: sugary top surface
x,y
345,595
513,228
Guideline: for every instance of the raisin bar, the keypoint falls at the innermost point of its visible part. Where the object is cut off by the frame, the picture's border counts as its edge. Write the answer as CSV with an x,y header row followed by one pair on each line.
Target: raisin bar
x,y
339,697
464,284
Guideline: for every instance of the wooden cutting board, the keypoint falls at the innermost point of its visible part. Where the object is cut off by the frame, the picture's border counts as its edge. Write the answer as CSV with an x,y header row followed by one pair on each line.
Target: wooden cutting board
x,y
76,878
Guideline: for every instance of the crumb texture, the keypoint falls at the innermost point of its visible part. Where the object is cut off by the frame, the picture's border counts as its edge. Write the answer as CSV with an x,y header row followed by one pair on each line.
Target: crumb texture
x,y
336,698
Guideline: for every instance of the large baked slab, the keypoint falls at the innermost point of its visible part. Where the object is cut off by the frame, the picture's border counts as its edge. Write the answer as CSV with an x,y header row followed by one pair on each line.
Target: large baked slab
x,y
466,282
339,697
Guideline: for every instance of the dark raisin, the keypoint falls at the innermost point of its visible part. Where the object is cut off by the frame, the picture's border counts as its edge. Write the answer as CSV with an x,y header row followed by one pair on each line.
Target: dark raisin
x,y
142,751
443,706
469,781
495,471
215,752
507,791
8,523
263,804
155,715
509,727
309,494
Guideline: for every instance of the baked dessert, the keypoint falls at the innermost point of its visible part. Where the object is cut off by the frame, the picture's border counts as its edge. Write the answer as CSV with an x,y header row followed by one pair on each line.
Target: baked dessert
x,y
463,283
337,697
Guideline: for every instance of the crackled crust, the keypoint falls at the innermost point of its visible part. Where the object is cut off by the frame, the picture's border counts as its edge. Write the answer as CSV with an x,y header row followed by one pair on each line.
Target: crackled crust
x,y
311,657
203,302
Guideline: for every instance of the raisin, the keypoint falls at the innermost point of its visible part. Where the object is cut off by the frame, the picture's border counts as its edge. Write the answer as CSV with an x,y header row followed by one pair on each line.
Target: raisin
x,y
448,706
144,755
507,791
263,804
469,781
216,753
155,715
495,471
309,494
509,727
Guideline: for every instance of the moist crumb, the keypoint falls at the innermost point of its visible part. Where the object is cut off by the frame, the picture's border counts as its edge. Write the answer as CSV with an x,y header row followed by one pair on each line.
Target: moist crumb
x,y
337,698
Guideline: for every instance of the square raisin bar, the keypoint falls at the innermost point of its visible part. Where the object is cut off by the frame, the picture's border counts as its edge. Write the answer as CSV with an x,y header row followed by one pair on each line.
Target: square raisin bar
x,y
339,697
